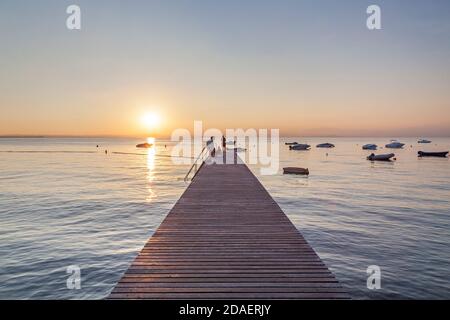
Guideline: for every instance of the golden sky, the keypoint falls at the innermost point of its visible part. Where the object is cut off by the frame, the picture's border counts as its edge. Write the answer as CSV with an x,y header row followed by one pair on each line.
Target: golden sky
x,y
295,67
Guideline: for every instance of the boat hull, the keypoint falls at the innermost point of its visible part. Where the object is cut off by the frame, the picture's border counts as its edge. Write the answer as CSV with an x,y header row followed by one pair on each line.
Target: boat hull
x,y
300,147
297,171
381,157
370,147
433,154
144,145
325,145
395,145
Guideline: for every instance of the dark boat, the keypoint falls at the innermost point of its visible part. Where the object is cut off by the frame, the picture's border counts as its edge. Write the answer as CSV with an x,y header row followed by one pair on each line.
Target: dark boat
x,y
395,145
291,143
295,170
370,146
325,145
381,157
300,147
144,145
433,154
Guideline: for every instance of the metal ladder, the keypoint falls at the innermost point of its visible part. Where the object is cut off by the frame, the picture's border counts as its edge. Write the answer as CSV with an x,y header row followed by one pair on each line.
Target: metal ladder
x,y
198,163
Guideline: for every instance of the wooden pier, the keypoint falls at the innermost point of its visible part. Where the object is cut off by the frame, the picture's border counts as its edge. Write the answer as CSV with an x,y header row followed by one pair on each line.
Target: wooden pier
x,y
226,238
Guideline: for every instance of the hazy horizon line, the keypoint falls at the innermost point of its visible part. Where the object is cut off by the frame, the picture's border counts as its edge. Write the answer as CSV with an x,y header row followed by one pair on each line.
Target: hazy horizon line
x,y
44,136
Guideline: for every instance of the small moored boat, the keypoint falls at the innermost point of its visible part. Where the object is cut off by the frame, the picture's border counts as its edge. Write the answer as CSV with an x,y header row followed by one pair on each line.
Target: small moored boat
x,y
295,170
291,143
381,157
395,145
144,145
424,141
325,145
300,147
370,146
433,154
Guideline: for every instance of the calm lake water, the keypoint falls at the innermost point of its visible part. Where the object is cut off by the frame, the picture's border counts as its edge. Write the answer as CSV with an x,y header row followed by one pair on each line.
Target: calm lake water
x,y
97,210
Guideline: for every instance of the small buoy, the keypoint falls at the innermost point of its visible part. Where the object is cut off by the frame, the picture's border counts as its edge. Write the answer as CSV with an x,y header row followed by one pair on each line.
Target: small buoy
x,y
97,146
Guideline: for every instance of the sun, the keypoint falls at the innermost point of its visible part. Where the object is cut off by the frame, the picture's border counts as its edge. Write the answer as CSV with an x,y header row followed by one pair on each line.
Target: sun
x,y
150,120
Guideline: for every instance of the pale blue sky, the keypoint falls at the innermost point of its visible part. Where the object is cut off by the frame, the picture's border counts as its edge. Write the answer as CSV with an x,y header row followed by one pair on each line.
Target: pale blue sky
x,y
306,67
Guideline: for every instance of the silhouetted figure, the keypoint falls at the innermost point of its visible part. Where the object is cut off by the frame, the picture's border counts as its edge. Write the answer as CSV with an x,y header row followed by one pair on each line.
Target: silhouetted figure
x,y
224,142
210,146
210,141
106,151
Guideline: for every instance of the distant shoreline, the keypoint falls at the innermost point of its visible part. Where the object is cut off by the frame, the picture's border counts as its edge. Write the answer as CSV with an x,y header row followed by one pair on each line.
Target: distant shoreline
x,y
23,137
67,137
168,138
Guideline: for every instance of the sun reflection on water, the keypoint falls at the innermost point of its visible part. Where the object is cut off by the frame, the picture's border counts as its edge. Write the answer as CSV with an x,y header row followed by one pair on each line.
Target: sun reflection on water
x,y
151,152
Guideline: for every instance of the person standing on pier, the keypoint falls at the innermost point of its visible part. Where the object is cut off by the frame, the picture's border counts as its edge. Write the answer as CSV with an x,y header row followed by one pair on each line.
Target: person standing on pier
x,y
224,149
211,147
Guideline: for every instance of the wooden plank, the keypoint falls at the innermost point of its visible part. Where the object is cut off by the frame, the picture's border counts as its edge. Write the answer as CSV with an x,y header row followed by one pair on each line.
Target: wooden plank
x,y
227,295
228,289
226,238
274,277
229,281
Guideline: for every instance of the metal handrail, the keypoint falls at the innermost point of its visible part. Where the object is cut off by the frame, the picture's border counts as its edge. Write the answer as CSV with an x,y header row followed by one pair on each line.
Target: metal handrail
x,y
195,164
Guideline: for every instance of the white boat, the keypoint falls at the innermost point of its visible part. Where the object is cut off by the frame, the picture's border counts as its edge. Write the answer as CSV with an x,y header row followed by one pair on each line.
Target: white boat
x,y
325,145
424,141
395,145
381,157
370,146
300,146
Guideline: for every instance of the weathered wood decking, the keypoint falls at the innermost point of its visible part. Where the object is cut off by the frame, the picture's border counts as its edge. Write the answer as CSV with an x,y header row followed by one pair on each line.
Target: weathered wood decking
x,y
226,238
